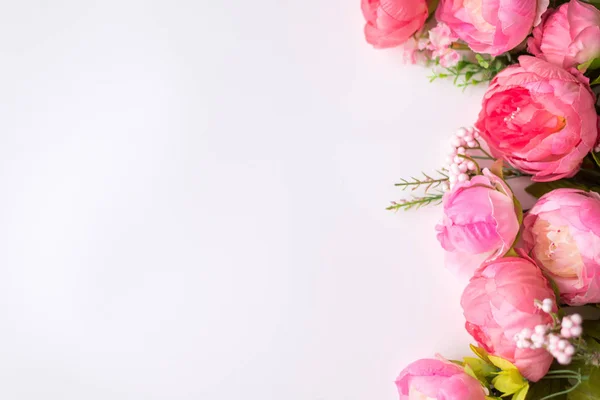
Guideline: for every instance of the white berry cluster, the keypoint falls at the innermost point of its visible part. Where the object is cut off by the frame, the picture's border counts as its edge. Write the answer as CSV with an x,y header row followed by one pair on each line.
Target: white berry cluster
x,y
554,338
459,167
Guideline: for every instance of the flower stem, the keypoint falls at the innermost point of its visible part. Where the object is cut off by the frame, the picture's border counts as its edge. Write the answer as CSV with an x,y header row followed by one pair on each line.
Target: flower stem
x,y
564,374
471,159
482,150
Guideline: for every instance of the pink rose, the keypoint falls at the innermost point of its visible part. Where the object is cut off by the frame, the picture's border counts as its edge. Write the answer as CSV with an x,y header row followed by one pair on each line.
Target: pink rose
x,y
480,223
568,36
436,379
491,26
562,233
498,303
391,22
539,118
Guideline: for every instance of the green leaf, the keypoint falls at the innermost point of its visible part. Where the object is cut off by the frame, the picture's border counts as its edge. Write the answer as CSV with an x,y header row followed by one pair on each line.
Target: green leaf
x,y
432,5
497,168
596,157
485,64
545,388
595,81
538,189
509,382
501,363
469,371
521,394
592,329
594,63
480,369
480,352
589,389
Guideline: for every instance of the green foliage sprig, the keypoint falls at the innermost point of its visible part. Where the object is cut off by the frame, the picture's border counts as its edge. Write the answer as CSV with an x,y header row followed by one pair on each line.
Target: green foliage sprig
x,y
416,202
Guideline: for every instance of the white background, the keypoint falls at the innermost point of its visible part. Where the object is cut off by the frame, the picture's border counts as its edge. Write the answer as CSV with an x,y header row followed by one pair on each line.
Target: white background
x,y
193,199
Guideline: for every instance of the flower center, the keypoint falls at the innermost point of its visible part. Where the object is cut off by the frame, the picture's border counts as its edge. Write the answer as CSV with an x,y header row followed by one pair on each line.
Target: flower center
x,y
515,119
414,394
556,250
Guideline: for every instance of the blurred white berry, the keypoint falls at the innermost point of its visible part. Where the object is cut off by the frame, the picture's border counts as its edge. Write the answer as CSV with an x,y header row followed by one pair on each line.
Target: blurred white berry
x,y
541,329
576,331
563,359
576,319
562,344
569,350
547,305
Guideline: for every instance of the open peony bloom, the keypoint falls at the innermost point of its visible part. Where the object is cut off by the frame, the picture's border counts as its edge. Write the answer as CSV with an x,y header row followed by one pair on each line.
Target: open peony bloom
x,y
539,118
562,233
437,380
568,36
498,303
391,22
491,26
480,223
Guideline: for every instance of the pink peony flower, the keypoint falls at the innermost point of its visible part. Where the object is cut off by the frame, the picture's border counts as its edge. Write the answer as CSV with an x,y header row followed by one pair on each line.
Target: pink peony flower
x,y
480,223
498,303
391,22
437,379
491,26
568,36
539,118
562,233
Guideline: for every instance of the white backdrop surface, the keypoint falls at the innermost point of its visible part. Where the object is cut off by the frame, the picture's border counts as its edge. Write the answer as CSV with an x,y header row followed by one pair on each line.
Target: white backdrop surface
x,y
193,199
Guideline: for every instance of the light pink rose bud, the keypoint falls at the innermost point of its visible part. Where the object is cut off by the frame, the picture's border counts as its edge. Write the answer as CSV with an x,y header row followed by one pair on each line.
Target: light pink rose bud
x,y
491,26
391,22
479,224
568,36
498,304
562,233
540,118
437,379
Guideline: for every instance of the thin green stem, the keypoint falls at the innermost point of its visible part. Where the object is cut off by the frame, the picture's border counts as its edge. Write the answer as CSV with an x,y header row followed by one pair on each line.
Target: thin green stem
x,y
418,183
471,159
562,371
569,390
481,158
417,202
482,150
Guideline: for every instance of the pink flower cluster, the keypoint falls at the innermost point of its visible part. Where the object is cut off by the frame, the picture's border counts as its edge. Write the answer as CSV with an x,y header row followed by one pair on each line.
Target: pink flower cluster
x,y
538,119
487,26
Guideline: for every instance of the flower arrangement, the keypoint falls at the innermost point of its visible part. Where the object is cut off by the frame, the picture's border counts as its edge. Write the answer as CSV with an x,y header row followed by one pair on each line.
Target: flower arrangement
x,y
532,302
